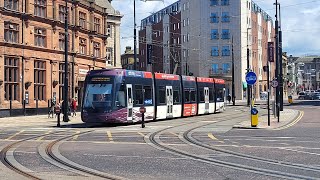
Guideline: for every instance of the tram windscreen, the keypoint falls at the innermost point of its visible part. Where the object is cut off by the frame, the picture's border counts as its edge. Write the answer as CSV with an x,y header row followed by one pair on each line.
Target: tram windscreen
x,y
98,97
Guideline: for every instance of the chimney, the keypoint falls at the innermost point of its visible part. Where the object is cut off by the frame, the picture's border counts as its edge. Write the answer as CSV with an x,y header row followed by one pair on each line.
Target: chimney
x,y
128,48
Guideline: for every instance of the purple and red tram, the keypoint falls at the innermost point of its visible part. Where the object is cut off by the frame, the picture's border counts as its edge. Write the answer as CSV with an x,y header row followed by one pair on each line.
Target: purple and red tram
x,y
115,96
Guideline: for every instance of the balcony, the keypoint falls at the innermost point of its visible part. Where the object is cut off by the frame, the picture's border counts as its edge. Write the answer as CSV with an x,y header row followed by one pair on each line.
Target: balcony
x,y
220,73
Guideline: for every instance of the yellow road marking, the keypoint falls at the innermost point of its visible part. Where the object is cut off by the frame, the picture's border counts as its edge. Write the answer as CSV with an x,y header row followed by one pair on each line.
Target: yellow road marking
x,y
14,135
141,134
211,136
110,136
40,138
76,136
174,134
293,122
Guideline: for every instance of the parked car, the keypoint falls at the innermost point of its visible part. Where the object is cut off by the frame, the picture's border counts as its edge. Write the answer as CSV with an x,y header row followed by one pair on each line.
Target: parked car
x,y
316,96
301,95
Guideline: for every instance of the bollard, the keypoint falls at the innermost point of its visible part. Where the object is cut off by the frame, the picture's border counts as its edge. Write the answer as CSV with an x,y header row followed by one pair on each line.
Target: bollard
x,y
254,117
58,119
36,106
24,107
142,111
10,107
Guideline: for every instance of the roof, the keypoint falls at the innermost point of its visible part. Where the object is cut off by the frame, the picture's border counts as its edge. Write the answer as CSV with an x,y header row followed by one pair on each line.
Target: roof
x,y
305,59
106,4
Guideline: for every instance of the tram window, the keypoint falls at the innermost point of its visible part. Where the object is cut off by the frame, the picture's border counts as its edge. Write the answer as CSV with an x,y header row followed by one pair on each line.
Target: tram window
x,y
120,101
162,95
201,93
147,95
186,96
176,96
211,94
139,95
193,96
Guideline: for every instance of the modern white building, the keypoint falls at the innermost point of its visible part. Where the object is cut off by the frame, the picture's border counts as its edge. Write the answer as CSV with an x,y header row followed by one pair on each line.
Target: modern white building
x,y
209,30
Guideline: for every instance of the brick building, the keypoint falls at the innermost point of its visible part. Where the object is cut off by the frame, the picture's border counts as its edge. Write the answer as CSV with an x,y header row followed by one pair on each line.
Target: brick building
x,y
32,48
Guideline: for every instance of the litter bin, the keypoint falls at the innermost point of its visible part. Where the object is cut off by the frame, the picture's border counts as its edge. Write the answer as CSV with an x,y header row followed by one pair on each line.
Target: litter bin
x,y
254,117
290,99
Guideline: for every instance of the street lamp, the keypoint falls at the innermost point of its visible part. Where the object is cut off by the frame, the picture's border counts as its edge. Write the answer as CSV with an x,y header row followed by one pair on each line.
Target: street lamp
x,y
233,90
248,68
65,84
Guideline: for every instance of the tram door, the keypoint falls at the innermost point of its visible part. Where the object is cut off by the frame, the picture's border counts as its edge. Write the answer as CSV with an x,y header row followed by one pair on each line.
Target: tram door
x,y
206,99
169,98
129,102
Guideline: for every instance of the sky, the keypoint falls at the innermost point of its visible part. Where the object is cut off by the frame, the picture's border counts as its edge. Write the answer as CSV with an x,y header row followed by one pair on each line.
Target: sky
x,y
299,20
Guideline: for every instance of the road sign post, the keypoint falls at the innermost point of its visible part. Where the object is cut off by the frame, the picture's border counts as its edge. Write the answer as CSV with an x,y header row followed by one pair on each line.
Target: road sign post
x,y
251,79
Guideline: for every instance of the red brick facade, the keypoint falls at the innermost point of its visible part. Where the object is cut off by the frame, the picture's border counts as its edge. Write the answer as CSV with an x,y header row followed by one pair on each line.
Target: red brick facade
x,y
32,49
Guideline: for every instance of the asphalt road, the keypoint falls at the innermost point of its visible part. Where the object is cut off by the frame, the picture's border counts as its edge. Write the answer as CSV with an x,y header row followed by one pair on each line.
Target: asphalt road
x,y
204,147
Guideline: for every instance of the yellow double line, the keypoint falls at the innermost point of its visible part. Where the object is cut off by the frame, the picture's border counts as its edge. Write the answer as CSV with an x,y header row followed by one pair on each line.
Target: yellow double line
x,y
292,123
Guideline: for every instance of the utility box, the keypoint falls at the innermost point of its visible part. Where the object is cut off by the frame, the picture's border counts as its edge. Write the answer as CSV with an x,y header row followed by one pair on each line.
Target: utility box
x,y
254,117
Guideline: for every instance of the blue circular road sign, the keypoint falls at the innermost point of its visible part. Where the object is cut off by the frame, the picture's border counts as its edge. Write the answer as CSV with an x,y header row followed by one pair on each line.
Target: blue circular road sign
x,y
251,78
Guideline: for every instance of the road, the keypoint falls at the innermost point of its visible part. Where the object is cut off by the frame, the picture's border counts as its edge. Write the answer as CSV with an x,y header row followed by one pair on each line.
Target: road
x,y
203,147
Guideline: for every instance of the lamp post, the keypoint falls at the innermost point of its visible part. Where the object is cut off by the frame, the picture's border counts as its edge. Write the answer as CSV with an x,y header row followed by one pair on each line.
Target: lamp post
x,y
233,90
248,68
65,84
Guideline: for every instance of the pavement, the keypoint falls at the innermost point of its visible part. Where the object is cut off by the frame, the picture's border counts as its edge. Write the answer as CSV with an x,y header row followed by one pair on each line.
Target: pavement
x,y
287,118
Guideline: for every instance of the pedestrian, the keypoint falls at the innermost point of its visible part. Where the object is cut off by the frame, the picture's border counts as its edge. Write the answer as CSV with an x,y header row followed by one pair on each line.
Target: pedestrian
x,y
74,107
229,98
53,104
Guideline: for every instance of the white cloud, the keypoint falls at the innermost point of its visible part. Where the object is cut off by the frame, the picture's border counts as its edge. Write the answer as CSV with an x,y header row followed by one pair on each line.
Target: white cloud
x,y
298,18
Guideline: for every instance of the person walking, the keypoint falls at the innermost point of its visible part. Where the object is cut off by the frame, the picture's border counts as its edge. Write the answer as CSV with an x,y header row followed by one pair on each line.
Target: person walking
x,y
74,107
229,98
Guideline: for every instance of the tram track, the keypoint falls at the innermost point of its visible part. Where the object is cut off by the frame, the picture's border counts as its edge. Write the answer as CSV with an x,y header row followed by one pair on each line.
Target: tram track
x,y
55,155
154,139
5,160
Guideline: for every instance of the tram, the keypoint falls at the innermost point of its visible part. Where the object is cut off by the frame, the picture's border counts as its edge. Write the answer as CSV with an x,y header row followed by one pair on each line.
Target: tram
x,y
115,96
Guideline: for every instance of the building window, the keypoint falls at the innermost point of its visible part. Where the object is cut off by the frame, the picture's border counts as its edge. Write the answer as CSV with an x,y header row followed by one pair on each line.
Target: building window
x,y
224,2
109,51
82,46
225,34
214,34
96,49
40,37
225,51
215,68
96,26
213,2
214,18
40,8
11,4
62,42
39,80
11,32
61,81
226,68
214,51
62,13
82,20
225,17
11,78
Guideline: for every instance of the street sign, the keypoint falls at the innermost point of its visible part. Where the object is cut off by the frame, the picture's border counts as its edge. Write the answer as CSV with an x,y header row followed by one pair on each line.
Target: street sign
x,y
251,78
270,52
274,83
254,111
149,53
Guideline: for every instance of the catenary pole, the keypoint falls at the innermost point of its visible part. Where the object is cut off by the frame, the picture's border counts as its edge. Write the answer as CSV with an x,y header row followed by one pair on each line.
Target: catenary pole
x,y
65,86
